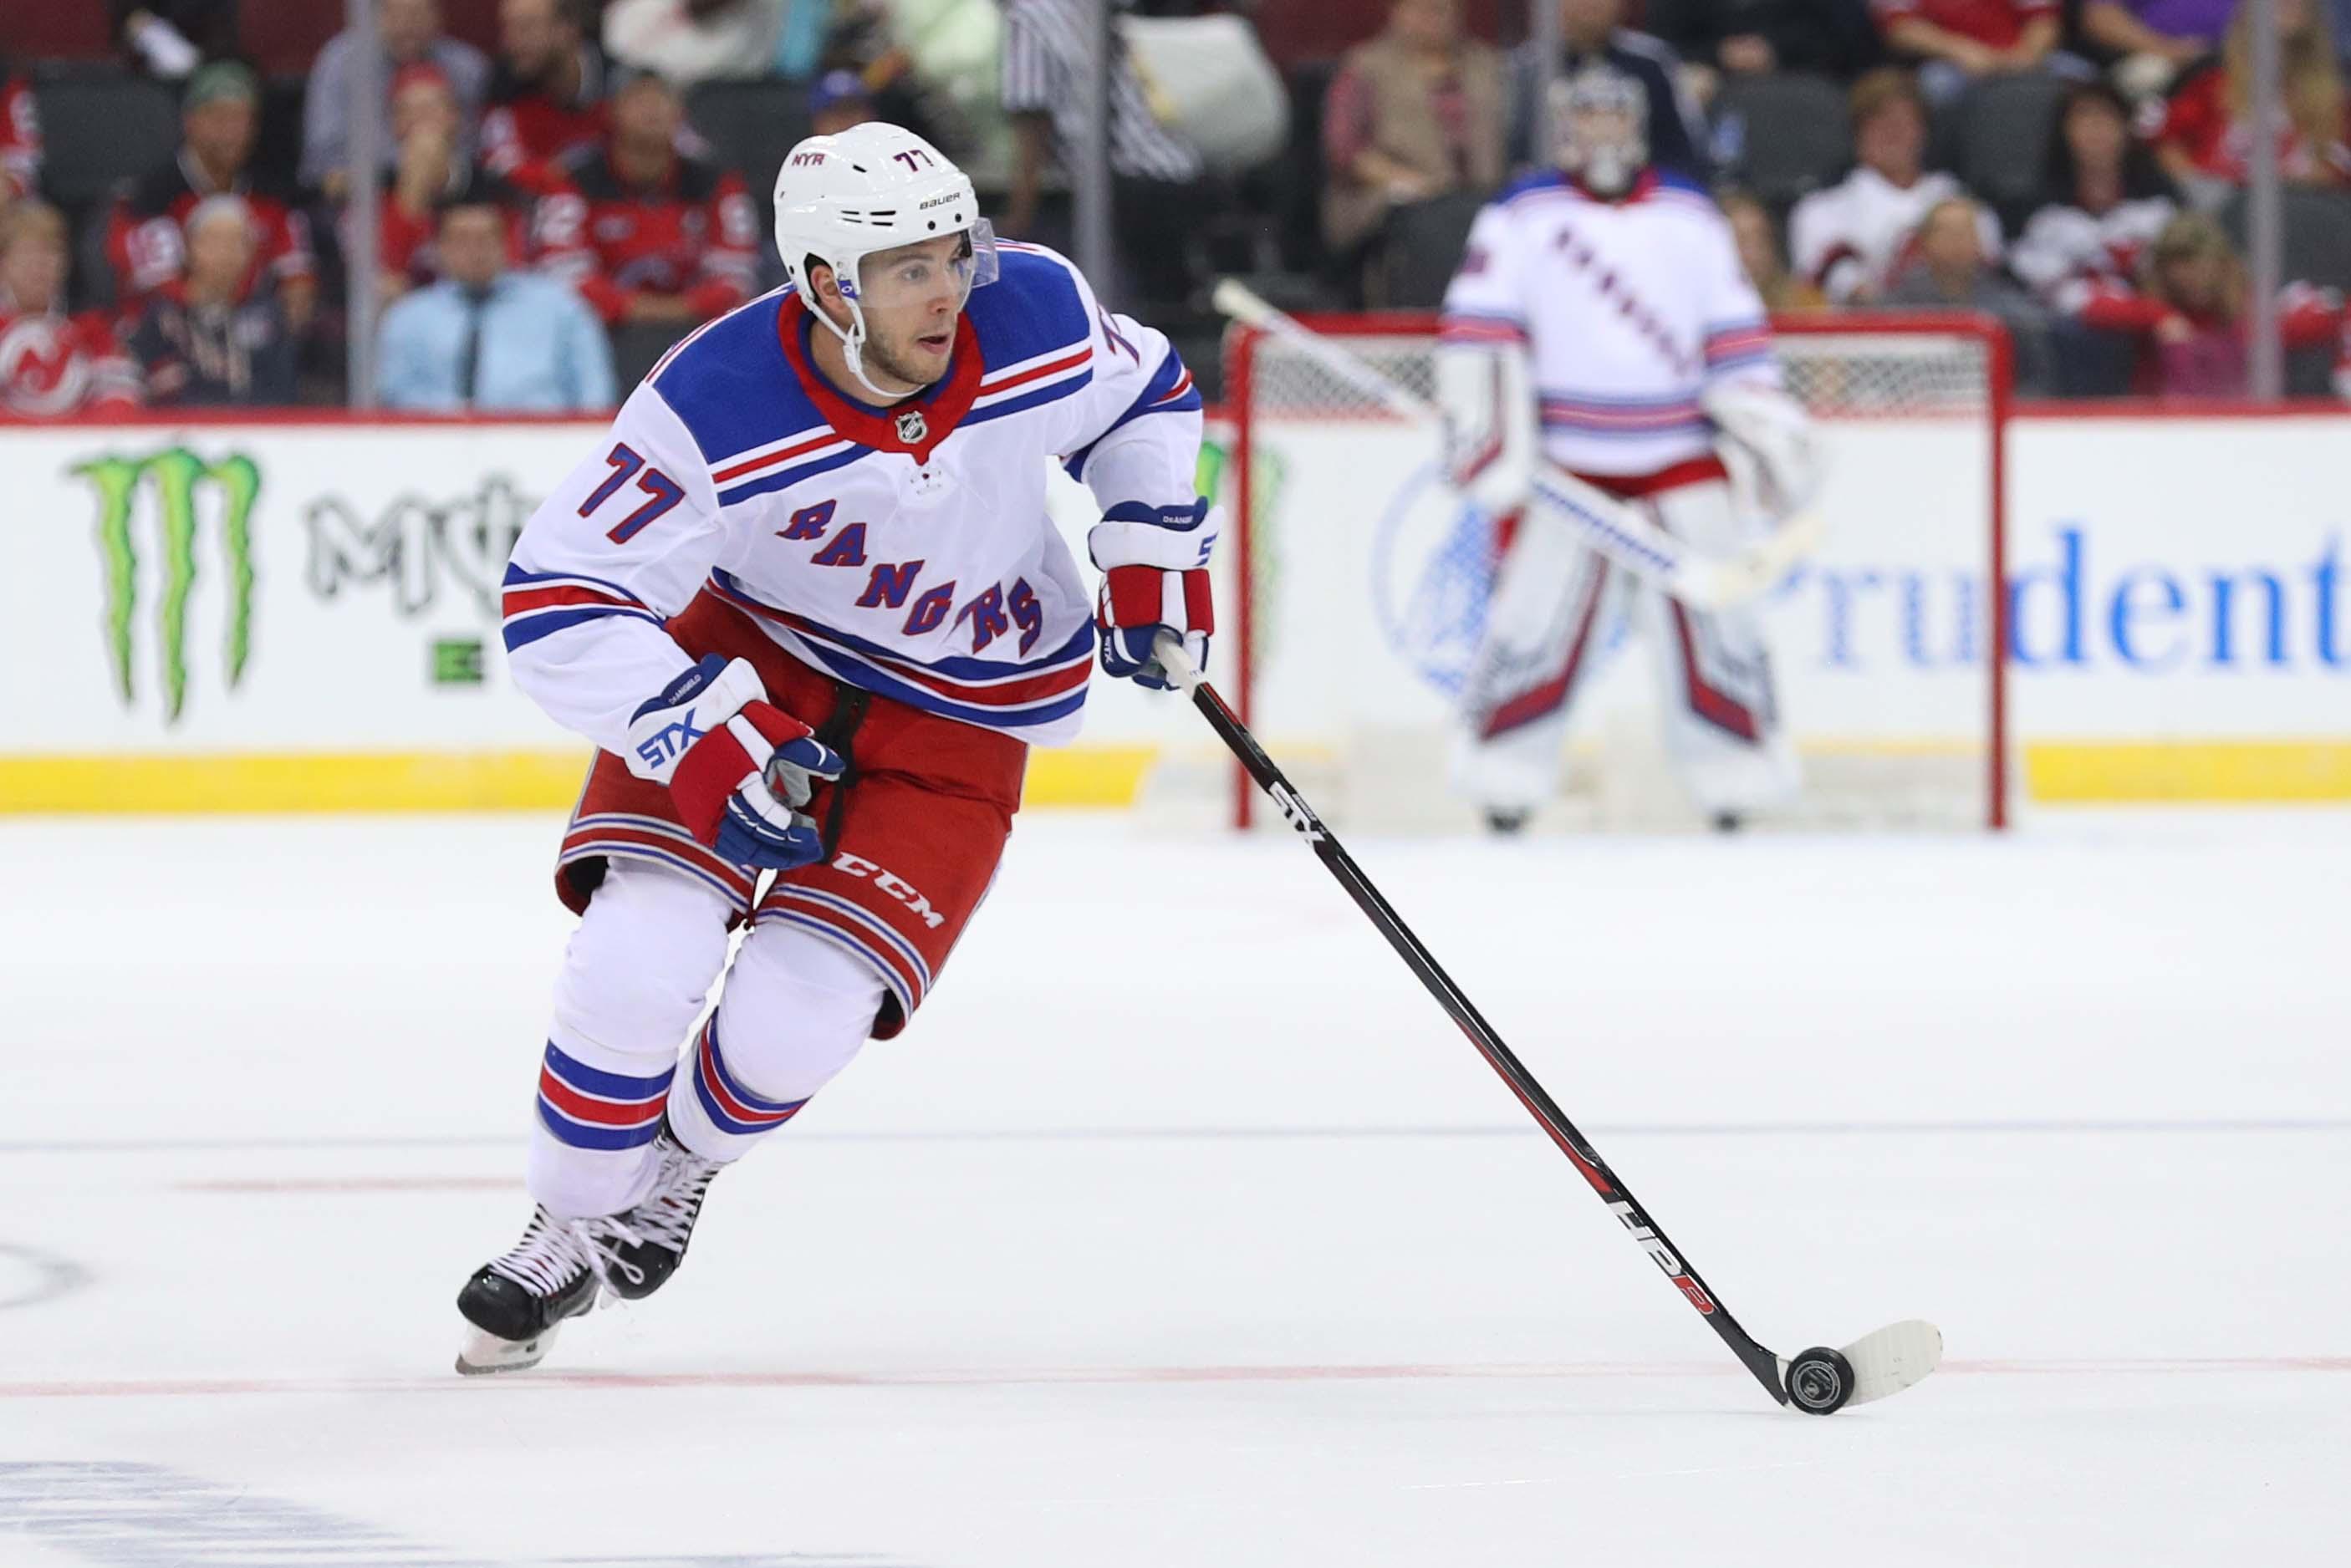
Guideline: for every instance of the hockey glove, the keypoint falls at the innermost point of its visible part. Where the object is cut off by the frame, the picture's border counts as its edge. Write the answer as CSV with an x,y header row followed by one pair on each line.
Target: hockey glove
x,y
1155,578
736,767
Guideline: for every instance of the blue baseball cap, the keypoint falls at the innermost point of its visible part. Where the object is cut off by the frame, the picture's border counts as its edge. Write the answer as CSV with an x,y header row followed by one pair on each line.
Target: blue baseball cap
x,y
836,88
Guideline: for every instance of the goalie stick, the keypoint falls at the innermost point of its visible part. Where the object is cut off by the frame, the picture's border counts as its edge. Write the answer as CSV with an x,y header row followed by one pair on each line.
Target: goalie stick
x,y
1819,1381
1626,535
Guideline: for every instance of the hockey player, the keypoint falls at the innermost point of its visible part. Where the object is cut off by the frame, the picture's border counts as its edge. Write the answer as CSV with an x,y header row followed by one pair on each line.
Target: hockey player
x,y
807,599
1600,322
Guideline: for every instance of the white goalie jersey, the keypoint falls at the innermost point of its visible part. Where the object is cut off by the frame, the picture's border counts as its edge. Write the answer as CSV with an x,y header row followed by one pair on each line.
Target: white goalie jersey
x,y
1628,318
907,551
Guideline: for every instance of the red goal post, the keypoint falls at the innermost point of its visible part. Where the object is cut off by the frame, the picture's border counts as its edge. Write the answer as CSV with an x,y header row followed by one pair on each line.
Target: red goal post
x,y
1872,372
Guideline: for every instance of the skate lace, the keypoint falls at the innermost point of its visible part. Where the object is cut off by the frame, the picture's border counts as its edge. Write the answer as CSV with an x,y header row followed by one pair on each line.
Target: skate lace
x,y
549,1257
666,1216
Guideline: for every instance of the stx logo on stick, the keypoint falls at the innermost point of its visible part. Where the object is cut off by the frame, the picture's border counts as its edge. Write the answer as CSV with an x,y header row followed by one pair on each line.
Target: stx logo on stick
x,y
1297,813
1654,1244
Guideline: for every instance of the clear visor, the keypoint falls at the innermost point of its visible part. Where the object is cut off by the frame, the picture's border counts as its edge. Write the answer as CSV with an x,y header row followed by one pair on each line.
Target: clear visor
x,y
932,277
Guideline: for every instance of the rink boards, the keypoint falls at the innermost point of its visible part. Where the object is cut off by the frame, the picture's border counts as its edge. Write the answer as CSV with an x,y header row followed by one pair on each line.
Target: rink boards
x,y
304,615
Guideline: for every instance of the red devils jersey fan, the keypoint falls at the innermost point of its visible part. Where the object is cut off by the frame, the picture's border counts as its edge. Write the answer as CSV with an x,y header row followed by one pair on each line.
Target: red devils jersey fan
x,y
20,140
51,363
145,243
644,232
547,96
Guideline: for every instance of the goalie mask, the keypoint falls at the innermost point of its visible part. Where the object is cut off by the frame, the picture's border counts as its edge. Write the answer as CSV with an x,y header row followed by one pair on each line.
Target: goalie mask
x,y
1600,119
852,203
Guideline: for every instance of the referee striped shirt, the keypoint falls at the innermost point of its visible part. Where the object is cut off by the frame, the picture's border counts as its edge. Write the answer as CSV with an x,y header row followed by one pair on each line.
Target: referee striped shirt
x,y
1048,45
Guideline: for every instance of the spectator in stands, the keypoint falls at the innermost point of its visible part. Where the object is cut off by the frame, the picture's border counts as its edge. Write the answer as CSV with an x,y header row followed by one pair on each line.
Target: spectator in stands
x,y
489,336
1414,114
1158,178
1950,268
2189,315
2206,134
838,101
1758,37
2153,40
20,140
146,241
1594,29
644,232
1851,239
215,335
1953,42
2106,204
1783,291
411,31
936,67
51,363
168,39
690,41
429,167
547,96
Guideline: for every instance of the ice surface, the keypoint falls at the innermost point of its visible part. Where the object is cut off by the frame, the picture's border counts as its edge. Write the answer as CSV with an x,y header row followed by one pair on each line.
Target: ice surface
x,y
1183,1230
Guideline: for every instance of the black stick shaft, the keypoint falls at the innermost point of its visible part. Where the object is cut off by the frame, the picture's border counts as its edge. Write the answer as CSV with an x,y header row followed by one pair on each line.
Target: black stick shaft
x,y
1532,1095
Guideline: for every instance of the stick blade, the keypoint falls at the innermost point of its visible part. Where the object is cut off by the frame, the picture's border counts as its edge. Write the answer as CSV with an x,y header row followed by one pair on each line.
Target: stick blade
x,y
1893,1358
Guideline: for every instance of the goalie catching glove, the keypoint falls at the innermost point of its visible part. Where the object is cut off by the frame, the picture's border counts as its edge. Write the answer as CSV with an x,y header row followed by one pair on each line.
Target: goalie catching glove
x,y
737,767
1153,561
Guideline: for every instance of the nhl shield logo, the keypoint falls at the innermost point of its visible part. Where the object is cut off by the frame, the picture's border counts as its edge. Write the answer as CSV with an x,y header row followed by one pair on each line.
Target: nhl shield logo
x,y
912,427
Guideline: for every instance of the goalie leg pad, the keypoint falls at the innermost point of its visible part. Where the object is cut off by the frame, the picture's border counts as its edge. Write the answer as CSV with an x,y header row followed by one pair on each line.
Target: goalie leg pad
x,y
1723,729
1551,605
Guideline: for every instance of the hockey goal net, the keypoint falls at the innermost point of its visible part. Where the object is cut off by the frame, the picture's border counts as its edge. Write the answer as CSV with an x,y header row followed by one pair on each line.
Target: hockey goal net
x,y
1358,587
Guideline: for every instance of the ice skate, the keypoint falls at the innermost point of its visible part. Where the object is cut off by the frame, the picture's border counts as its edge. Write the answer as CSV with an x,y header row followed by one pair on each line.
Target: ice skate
x,y
516,1302
650,1239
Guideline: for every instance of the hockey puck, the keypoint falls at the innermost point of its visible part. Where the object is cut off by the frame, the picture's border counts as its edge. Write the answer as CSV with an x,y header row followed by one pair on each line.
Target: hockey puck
x,y
1820,1381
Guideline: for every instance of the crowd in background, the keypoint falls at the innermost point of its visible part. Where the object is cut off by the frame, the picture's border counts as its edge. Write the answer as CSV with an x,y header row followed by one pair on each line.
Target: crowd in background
x,y
557,208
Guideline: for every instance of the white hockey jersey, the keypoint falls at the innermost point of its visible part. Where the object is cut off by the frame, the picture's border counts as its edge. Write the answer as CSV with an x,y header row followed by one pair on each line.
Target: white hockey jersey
x,y
904,551
1628,310
2066,255
1854,237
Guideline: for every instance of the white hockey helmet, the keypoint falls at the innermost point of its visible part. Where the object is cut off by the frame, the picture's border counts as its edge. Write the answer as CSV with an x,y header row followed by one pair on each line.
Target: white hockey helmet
x,y
1600,126
871,188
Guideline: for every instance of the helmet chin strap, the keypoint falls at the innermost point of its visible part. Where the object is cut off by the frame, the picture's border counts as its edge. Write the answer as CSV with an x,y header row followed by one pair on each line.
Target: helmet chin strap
x,y
853,343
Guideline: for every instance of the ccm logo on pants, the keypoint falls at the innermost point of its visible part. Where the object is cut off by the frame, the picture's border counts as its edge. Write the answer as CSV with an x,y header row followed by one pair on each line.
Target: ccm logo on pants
x,y
890,882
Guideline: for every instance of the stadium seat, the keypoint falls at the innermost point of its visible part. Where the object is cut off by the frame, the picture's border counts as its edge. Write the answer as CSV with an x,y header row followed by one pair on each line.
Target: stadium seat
x,y
1297,180
101,127
1423,247
2000,138
750,125
2317,236
1782,136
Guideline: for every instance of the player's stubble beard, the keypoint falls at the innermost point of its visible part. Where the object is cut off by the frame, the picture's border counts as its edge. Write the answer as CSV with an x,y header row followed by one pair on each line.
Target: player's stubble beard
x,y
895,358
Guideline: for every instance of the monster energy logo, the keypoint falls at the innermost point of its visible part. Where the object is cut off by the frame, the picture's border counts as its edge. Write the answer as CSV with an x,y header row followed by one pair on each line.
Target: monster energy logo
x,y
183,487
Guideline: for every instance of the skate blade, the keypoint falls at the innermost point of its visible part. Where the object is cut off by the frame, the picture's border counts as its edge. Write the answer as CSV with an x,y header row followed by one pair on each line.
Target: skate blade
x,y
483,1354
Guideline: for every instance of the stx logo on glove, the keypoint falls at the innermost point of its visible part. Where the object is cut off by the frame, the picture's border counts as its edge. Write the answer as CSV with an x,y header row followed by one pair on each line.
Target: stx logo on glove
x,y
666,745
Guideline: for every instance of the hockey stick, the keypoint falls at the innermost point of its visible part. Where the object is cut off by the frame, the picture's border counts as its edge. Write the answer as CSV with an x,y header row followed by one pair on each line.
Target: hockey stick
x,y
1819,1381
1626,535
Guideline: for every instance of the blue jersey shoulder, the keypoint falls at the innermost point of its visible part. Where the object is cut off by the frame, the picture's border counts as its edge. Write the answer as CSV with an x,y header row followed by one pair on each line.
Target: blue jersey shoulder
x,y
732,386
1527,184
1032,308
1675,180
